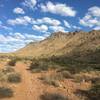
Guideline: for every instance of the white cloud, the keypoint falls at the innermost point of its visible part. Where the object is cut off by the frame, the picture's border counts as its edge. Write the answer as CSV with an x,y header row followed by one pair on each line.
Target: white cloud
x,y
48,20
19,36
2,26
34,37
92,17
30,3
15,41
25,20
97,28
57,28
20,21
15,37
67,24
5,27
42,28
76,27
18,11
61,9
95,11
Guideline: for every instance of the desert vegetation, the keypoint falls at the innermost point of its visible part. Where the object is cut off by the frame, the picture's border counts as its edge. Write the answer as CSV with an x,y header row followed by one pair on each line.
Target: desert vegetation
x,y
63,76
5,92
8,75
14,78
53,96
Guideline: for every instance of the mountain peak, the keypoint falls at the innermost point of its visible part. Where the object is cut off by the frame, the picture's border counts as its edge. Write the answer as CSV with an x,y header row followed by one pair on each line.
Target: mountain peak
x,y
60,43
58,34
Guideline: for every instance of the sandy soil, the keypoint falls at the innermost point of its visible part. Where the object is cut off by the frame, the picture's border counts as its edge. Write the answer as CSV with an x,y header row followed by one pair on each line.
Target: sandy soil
x,y
31,87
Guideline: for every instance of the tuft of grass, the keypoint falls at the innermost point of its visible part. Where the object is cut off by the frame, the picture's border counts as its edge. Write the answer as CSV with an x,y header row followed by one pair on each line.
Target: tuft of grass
x,y
95,80
51,96
5,92
94,92
2,76
8,69
66,74
14,78
38,66
4,73
82,77
52,79
13,61
8,74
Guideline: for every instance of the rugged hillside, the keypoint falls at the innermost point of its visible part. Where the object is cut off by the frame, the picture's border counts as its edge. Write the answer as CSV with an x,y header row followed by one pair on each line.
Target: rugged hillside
x,y
47,47
80,45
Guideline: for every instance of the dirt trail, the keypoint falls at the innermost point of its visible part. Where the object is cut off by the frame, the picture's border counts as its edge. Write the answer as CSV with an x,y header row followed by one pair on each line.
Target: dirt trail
x,y
29,88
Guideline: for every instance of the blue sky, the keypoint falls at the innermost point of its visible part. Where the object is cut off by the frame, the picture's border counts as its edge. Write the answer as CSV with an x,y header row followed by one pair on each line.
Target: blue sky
x,y
24,21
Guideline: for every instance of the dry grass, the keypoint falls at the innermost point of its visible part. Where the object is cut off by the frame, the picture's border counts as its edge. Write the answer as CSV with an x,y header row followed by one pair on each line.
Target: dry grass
x,y
91,76
14,78
8,74
5,92
52,79
53,96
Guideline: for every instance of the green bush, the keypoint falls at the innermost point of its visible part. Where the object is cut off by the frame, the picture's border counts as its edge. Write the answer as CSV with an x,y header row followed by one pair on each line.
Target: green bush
x,y
95,80
38,66
94,92
14,78
82,77
91,94
12,62
51,96
66,74
4,73
2,76
8,69
50,81
53,79
5,92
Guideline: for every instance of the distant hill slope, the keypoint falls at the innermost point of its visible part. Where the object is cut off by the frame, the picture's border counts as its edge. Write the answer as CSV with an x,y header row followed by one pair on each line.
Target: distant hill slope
x,y
79,45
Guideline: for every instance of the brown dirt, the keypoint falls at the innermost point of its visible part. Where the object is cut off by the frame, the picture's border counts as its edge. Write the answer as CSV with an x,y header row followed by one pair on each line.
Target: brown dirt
x,y
31,87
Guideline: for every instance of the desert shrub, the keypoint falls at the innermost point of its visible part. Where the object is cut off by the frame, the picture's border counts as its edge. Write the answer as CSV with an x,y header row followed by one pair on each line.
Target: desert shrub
x,y
82,77
82,94
38,66
8,74
2,76
14,59
5,92
8,69
12,62
66,74
14,78
95,80
4,73
51,96
94,92
52,79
